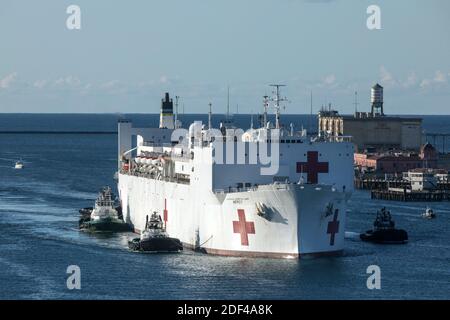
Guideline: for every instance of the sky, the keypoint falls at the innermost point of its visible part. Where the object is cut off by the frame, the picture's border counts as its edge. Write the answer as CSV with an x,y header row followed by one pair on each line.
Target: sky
x,y
128,53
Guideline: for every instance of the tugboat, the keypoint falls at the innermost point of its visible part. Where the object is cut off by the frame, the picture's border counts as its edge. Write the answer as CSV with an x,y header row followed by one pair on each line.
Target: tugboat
x,y
104,217
384,231
154,238
19,165
429,213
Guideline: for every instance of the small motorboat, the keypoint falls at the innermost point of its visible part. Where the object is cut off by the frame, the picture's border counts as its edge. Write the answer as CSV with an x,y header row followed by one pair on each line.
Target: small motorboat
x,y
19,165
154,238
103,217
384,231
429,213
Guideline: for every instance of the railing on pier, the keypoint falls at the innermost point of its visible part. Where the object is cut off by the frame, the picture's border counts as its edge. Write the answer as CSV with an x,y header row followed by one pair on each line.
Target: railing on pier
x,y
383,184
409,195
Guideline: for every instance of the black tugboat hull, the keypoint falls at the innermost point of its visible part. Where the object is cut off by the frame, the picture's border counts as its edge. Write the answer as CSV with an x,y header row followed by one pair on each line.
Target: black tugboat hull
x,y
163,244
104,226
107,225
396,236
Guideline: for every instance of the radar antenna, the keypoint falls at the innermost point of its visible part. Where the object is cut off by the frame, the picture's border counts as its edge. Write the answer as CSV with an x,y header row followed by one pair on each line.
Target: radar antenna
x,y
277,99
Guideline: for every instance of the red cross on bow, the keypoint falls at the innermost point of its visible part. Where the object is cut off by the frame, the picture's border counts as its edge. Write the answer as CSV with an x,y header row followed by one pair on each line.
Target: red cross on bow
x,y
333,227
243,227
312,166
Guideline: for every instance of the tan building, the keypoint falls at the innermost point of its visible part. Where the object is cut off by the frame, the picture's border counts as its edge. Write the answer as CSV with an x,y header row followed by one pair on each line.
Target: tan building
x,y
373,129
380,132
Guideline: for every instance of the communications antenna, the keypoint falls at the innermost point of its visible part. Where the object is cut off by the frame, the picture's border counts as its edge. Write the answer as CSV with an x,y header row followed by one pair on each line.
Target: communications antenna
x,y
277,99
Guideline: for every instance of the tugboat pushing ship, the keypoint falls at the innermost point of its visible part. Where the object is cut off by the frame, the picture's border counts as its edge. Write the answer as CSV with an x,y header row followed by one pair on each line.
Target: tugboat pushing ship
x,y
104,217
384,231
154,238
263,192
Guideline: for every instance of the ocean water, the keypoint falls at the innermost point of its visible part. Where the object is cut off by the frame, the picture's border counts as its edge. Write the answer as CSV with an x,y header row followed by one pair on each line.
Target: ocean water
x,y
63,172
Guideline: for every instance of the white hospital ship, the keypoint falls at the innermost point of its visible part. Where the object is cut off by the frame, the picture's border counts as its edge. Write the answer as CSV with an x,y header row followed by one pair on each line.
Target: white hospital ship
x,y
265,192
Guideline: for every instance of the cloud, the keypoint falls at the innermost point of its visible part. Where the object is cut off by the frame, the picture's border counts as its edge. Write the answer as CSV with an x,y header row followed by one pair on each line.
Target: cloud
x,y
110,84
319,1
439,80
6,81
70,81
86,89
425,83
327,82
40,84
164,79
436,81
410,81
440,77
329,79
386,78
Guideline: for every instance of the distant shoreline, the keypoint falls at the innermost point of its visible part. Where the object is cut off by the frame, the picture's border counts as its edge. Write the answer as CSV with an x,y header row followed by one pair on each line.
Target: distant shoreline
x,y
57,132
221,113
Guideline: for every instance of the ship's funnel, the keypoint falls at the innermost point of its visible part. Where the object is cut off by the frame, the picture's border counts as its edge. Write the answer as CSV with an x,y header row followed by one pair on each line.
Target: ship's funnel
x,y
166,119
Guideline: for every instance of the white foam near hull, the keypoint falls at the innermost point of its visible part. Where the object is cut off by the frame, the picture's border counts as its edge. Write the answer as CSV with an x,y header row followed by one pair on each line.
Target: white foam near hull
x,y
300,220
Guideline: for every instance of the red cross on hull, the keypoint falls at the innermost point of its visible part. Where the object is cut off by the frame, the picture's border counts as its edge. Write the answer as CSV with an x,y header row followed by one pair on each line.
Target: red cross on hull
x,y
243,227
312,167
333,227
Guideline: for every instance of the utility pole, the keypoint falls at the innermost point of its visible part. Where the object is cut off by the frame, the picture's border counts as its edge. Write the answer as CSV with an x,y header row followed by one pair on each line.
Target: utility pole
x,y
356,102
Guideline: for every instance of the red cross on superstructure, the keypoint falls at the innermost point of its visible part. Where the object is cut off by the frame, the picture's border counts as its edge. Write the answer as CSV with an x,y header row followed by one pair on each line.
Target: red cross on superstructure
x,y
333,227
312,167
165,212
243,227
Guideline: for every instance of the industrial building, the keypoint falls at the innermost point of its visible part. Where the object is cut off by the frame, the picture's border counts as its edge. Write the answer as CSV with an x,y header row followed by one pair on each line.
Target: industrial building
x,y
393,162
373,129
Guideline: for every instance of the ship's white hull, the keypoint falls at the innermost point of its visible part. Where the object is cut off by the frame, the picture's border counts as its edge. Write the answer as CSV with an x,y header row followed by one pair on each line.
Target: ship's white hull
x,y
299,219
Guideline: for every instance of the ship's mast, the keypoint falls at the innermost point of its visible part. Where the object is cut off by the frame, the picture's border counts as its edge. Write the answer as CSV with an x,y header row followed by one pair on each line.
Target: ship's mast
x,y
176,111
228,102
277,99
266,105
210,116
311,112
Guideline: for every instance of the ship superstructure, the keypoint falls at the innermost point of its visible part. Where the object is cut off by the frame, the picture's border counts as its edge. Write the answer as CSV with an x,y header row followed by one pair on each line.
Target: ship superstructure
x,y
266,192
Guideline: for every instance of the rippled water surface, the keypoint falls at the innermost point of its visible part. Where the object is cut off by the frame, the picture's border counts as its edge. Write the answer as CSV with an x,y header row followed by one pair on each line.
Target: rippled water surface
x,y
39,239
